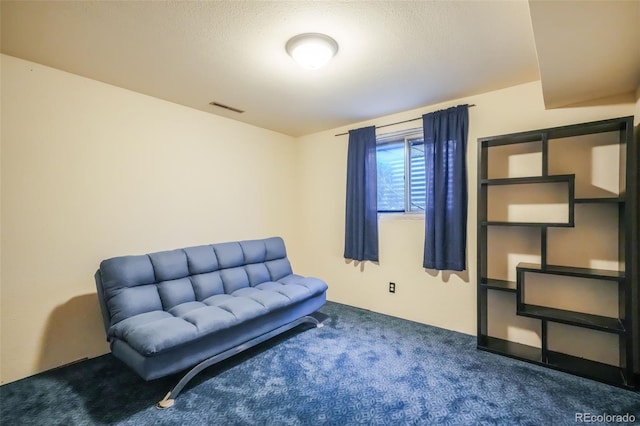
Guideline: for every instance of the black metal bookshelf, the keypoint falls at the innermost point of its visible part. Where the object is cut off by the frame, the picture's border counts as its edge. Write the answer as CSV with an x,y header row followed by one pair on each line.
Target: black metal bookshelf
x,y
625,325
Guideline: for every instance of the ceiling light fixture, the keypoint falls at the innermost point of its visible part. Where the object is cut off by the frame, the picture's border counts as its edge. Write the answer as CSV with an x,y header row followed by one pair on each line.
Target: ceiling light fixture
x,y
311,50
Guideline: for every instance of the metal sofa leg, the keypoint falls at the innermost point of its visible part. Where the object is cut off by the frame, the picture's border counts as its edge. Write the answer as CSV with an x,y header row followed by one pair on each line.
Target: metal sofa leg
x,y
171,396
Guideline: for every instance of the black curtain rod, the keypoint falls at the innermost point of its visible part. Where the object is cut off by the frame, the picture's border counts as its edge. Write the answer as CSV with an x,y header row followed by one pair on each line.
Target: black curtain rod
x,y
393,124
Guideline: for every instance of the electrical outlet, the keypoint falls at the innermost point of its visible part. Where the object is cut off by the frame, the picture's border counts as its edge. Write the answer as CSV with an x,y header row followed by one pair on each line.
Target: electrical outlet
x,y
392,287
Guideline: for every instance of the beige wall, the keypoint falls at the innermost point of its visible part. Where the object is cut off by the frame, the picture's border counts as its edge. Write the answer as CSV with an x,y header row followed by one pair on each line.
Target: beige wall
x,y
91,171
445,299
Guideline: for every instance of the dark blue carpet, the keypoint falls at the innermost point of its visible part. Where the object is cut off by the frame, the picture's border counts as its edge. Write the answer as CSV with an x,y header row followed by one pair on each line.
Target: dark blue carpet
x,y
361,368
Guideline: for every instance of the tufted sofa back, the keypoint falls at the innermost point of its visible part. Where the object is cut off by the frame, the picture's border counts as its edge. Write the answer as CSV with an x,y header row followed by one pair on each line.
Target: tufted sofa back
x,y
132,285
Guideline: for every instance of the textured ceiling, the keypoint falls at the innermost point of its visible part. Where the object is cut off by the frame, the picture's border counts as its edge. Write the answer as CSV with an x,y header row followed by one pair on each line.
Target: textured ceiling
x,y
393,55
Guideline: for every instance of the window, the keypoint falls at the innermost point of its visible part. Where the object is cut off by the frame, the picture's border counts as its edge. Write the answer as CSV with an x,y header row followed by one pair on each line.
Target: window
x,y
401,174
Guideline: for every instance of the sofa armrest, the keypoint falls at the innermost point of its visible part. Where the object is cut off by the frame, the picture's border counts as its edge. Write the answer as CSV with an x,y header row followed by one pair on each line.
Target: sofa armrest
x,y
103,304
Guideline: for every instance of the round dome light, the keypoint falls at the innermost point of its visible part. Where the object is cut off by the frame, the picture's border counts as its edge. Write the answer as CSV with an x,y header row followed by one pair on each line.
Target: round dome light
x,y
312,50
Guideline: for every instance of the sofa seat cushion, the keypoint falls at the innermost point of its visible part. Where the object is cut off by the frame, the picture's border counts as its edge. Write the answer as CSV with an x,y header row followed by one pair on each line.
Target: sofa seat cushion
x,y
152,332
293,292
313,285
242,308
206,319
269,299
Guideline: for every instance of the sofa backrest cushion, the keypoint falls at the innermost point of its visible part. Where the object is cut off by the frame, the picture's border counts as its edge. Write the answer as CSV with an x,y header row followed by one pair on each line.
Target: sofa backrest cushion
x,y
133,285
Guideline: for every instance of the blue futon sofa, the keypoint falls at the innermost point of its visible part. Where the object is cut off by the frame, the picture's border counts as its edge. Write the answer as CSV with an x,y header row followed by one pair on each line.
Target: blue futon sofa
x,y
165,312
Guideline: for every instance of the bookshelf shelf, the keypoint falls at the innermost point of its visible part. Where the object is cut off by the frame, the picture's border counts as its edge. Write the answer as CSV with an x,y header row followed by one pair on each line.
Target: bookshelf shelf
x,y
500,285
529,180
510,349
578,319
528,224
599,200
602,274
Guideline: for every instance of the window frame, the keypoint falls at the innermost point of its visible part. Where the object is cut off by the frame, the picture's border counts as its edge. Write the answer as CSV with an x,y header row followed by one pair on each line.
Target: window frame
x,y
404,137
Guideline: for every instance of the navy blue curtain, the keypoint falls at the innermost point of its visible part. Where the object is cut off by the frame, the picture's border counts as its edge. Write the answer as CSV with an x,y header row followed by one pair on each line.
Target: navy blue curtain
x,y
445,143
361,222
